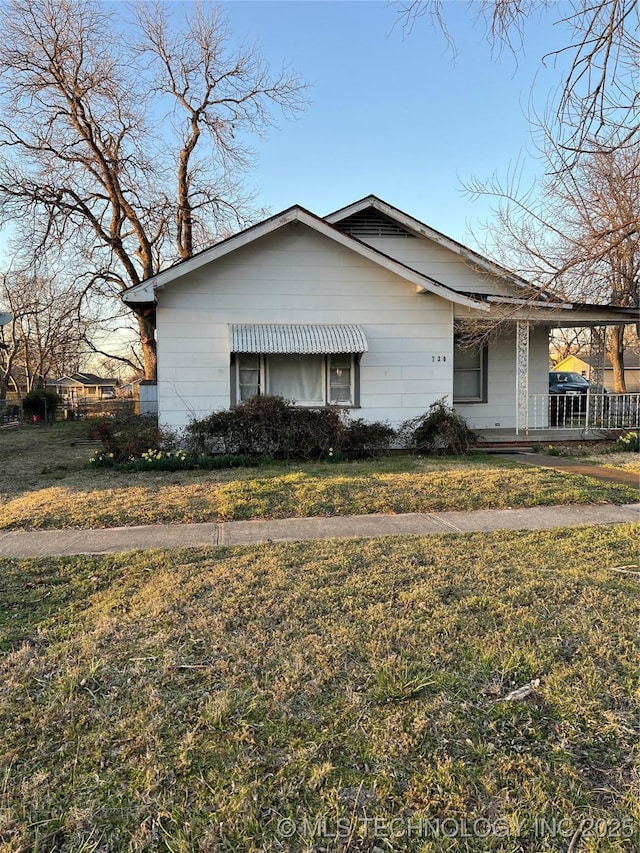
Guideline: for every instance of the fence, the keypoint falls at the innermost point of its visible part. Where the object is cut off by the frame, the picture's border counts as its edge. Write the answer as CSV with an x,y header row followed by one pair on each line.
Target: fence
x,y
584,411
122,407
10,412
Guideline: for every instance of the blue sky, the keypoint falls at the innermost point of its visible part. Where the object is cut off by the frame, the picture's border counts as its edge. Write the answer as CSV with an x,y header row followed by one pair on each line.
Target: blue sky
x,y
393,114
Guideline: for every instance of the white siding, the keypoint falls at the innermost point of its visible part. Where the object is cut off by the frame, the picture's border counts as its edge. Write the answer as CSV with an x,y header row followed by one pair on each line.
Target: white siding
x,y
499,412
442,264
298,276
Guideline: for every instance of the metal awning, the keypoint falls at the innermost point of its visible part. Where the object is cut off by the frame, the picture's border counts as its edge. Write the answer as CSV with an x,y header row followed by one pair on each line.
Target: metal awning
x,y
285,338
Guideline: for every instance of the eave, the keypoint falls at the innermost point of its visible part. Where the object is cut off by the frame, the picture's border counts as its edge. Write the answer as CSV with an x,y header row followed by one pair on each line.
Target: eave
x,y
556,315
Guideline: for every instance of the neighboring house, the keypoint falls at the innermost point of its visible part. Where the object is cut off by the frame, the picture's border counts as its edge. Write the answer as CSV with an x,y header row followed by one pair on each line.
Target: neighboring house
x,y
359,309
19,383
83,386
583,363
130,388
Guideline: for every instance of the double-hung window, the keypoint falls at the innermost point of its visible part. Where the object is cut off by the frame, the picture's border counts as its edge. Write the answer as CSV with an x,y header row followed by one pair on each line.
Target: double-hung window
x,y
340,379
469,373
248,373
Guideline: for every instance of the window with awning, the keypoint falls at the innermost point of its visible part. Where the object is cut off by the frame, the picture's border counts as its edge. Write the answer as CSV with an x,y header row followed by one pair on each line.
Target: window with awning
x,y
312,365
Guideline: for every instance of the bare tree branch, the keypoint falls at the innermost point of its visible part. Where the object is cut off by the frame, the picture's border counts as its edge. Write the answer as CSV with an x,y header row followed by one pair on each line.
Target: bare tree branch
x,y
578,234
89,168
599,101
47,333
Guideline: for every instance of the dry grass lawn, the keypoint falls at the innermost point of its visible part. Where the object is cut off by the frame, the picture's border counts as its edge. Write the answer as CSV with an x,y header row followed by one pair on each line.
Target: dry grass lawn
x,y
335,696
45,482
331,697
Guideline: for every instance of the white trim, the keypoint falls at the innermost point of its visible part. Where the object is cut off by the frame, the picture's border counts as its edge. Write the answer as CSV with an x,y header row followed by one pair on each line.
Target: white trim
x,y
509,300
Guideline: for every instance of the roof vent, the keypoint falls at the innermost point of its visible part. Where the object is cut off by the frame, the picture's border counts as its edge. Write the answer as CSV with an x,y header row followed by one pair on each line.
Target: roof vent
x,y
371,223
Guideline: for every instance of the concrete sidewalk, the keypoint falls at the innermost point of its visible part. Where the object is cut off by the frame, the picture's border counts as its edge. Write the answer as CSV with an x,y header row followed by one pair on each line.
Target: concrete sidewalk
x,y
53,543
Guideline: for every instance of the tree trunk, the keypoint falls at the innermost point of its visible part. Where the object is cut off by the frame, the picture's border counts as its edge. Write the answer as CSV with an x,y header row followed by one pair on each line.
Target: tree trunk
x,y
616,354
149,349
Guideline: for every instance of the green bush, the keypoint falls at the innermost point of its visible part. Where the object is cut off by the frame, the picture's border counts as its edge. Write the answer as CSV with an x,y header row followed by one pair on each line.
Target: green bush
x,y
439,432
163,460
41,405
215,463
629,442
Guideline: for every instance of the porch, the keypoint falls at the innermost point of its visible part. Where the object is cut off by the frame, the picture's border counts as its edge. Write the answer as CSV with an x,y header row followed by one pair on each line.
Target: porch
x,y
525,410
590,412
552,418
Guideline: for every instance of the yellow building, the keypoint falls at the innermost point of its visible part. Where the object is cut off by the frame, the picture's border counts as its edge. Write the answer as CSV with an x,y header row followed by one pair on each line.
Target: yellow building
x,y
582,364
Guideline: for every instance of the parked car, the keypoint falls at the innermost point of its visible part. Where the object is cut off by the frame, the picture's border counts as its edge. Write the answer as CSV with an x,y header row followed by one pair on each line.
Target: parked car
x,y
568,397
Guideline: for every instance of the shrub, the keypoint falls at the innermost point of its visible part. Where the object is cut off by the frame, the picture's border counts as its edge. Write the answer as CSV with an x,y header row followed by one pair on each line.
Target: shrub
x,y
363,439
440,431
129,437
215,463
41,405
267,426
629,442
313,433
212,434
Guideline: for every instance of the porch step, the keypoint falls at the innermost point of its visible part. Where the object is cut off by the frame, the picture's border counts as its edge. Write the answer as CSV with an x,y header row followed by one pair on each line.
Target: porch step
x,y
530,445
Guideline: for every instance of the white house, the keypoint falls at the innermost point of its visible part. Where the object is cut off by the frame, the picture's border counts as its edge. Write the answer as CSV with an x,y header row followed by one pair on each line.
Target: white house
x,y
359,309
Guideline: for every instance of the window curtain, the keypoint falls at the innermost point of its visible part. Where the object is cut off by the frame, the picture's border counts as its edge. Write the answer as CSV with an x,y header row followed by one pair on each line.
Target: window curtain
x,y
296,377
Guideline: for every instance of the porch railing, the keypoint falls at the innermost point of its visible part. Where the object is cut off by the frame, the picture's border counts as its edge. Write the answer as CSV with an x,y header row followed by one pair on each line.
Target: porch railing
x,y
584,411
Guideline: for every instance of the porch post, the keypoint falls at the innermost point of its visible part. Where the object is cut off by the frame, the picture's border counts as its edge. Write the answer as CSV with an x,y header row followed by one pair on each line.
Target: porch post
x,y
597,347
522,376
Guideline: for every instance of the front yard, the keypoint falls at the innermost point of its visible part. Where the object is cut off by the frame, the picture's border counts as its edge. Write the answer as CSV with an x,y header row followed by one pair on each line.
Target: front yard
x,y
46,483
473,693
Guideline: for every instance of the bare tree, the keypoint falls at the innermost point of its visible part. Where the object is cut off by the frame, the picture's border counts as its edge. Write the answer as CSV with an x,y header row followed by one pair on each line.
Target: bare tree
x,y
123,147
578,233
566,342
598,102
46,336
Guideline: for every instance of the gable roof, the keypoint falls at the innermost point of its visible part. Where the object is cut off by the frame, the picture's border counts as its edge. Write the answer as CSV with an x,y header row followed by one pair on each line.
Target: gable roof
x,y
83,379
418,228
144,293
